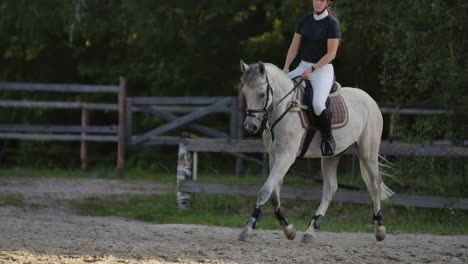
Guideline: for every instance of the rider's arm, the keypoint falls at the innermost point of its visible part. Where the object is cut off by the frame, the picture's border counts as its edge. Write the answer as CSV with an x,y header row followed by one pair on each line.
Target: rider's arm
x,y
332,45
293,50
331,54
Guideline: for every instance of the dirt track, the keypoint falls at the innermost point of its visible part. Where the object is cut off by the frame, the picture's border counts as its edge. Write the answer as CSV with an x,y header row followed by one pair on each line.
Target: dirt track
x,y
56,235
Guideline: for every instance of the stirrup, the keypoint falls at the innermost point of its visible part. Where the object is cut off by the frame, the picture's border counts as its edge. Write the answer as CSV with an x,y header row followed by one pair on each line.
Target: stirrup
x,y
327,147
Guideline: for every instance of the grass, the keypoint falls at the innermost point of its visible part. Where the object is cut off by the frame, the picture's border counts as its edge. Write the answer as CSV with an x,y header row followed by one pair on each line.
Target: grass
x,y
13,200
138,174
104,173
416,175
16,200
233,211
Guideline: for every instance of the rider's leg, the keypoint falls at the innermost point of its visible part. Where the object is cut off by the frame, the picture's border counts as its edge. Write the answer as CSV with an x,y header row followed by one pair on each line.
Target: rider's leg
x,y
322,80
299,70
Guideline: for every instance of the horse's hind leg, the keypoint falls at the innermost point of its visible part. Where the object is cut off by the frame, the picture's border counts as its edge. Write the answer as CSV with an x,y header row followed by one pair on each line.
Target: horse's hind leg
x,y
330,185
369,164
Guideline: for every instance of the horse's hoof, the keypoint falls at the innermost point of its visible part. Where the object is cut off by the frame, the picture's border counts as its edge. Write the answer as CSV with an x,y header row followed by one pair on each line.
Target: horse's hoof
x,y
290,232
380,232
308,238
246,234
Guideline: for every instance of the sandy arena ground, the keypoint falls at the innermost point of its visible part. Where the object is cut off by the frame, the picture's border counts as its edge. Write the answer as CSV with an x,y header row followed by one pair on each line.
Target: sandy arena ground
x,y
54,234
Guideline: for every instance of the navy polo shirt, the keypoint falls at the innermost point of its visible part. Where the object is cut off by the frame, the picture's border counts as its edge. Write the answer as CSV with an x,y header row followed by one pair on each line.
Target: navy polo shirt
x,y
315,34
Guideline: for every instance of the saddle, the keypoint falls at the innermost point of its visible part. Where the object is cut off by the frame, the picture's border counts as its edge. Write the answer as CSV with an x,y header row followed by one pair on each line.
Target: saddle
x,y
335,104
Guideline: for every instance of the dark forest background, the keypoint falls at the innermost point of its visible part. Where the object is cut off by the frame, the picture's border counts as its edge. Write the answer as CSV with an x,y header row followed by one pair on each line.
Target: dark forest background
x,y
406,53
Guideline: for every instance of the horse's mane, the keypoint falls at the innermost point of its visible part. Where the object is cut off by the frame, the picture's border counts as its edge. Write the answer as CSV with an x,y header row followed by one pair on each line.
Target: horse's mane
x,y
253,72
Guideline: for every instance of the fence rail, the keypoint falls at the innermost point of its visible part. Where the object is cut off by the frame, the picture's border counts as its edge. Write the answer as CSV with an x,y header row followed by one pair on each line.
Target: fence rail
x,y
176,100
315,193
59,105
77,88
61,137
386,148
188,163
60,129
411,111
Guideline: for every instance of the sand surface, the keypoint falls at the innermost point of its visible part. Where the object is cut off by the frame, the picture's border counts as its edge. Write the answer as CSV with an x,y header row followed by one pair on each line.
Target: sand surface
x,y
55,234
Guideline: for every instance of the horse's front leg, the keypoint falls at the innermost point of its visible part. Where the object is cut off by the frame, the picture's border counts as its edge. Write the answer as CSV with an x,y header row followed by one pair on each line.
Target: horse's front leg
x,y
330,185
288,229
281,165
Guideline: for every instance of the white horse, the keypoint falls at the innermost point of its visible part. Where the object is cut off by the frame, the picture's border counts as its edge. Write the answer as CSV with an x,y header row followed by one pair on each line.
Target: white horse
x,y
267,89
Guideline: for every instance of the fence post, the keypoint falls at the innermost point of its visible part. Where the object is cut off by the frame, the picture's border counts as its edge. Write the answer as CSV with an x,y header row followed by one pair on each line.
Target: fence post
x,y
184,172
128,120
194,166
122,128
234,124
240,164
394,117
84,146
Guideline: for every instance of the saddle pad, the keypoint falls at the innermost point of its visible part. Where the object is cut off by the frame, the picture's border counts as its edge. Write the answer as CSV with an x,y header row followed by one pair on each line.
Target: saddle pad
x,y
339,108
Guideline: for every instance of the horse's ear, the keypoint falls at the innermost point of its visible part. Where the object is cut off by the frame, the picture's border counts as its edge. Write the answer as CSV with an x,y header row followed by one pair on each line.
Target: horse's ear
x,y
261,67
244,67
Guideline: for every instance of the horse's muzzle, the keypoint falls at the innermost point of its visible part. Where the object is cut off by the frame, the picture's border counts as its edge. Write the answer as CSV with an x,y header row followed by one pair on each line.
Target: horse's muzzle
x,y
251,125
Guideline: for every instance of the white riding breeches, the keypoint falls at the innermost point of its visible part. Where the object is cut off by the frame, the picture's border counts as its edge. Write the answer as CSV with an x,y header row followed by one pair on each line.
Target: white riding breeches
x,y
321,80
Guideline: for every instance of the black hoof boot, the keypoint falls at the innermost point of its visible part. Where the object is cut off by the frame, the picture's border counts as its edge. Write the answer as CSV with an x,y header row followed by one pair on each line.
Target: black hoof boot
x,y
288,229
380,230
257,214
317,221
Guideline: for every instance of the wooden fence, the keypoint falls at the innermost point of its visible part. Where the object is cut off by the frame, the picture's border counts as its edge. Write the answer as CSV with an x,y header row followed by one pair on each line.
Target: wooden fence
x,y
187,174
177,111
82,133
191,108
166,108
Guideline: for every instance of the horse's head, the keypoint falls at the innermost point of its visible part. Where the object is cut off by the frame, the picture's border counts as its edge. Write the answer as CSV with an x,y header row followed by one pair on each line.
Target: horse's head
x,y
258,94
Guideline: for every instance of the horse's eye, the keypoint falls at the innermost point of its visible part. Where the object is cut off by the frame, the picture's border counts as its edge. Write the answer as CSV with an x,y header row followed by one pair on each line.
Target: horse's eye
x,y
262,95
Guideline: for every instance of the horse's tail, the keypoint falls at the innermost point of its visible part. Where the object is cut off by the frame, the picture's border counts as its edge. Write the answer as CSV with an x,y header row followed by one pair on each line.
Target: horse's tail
x,y
386,192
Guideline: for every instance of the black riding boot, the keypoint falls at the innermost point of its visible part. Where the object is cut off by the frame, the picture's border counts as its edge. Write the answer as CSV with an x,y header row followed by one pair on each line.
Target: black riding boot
x,y
328,142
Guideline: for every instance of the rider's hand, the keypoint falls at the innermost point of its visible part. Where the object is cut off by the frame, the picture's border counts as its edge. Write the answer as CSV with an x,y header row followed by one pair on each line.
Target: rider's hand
x,y
286,70
306,74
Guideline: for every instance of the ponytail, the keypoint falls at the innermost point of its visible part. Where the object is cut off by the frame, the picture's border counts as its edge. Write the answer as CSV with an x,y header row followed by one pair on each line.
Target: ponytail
x,y
332,14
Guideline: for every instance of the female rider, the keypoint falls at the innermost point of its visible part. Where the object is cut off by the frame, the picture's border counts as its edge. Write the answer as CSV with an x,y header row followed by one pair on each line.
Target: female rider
x,y
316,41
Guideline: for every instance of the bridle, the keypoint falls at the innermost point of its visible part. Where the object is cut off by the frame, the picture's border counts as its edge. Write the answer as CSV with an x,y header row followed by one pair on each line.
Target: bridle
x,y
264,110
266,114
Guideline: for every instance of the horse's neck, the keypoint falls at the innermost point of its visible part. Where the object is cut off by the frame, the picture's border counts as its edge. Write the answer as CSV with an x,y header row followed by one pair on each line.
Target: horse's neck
x,y
281,85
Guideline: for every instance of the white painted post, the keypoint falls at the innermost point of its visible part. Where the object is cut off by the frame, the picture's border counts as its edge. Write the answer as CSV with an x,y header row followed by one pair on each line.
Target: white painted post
x,y
195,166
184,172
